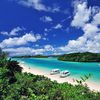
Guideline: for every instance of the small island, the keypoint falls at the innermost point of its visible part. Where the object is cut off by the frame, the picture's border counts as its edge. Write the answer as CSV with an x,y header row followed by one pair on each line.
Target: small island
x,y
80,57
29,56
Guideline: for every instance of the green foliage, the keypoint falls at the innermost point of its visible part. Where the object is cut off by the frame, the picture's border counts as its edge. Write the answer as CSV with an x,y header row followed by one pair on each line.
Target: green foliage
x,y
15,85
29,56
13,66
83,79
81,57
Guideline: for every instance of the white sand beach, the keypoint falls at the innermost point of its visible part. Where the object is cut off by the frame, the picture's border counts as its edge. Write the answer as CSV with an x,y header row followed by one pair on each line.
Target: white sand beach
x,y
92,85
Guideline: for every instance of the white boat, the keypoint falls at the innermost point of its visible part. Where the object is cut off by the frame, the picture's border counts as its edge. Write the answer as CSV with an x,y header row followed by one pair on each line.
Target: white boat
x,y
64,74
54,71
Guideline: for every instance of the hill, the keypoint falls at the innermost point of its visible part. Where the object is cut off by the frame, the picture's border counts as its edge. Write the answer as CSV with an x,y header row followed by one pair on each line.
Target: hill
x,y
80,57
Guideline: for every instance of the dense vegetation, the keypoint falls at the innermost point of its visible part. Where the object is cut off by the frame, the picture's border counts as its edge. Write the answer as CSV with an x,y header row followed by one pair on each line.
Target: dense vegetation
x,y
81,57
29,56
15,85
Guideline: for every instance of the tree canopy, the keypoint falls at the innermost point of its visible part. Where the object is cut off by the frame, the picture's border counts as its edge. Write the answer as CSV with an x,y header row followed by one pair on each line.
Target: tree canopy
x,y
81,57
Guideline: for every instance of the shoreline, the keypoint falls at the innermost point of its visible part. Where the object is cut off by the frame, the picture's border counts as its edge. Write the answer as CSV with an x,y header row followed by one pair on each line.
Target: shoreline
x,y
92,85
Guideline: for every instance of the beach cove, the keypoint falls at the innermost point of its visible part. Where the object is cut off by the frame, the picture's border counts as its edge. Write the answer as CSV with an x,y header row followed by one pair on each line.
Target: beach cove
x,y
43,66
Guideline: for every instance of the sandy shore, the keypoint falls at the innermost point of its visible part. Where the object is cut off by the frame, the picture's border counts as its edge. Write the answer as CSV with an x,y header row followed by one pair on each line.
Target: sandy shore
x,y
92,85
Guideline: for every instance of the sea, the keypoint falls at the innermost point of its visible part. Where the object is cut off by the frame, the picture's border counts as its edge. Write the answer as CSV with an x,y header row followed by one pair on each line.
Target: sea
x,y
77,69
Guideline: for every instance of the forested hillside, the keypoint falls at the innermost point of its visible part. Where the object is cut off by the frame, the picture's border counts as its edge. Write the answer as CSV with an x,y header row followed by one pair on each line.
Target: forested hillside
x,y
81,57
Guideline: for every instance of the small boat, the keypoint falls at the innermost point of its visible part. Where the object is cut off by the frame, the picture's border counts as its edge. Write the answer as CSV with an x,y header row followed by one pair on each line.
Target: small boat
x,y
64,74
54,71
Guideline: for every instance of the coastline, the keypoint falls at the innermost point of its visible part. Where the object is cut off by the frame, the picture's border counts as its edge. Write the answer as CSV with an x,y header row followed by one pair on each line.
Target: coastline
x,y
92,85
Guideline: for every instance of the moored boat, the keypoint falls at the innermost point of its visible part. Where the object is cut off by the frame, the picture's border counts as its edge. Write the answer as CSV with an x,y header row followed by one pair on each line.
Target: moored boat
x,y
54,71
64,74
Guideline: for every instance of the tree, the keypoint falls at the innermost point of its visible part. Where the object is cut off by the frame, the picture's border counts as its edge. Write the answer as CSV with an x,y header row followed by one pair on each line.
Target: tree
x,y
14,66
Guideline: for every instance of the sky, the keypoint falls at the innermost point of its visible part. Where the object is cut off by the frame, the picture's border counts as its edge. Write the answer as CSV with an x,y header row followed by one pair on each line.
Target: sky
x,y
49,27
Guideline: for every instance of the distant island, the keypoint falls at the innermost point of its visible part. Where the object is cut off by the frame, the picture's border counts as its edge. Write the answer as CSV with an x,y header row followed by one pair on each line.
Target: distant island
x,y
76,57
80,57
29,56
36,56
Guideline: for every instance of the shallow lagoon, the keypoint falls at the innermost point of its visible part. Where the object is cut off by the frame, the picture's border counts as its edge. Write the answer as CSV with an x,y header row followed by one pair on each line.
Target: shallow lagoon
x,y
77,69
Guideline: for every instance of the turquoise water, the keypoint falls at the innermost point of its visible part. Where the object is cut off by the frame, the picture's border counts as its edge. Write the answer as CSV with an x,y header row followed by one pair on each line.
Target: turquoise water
x,y
77,69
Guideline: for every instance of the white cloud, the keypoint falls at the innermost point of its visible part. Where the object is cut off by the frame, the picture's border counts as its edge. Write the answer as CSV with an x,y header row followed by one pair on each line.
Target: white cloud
x,y
37,36
58,26
90,30
82,15
4,33
23,51
96,19
36,45
48,48
13,32
90,40
95,10
45,38
38,5
55,9
46,30
29,50
18,41
46,19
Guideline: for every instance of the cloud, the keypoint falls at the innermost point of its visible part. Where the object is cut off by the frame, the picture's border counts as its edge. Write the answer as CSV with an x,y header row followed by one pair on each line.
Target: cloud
x,y
36,45
58,26
90,30
44,38
96,19
38,5
82,15
90,40
29,50
23,51
18,41
49,48
46,30
13,32
46,19
4,33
